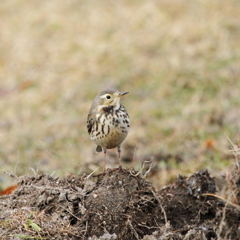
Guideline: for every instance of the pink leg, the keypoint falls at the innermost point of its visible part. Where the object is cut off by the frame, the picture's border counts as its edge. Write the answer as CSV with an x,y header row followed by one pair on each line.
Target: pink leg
x,y
119,155
105,157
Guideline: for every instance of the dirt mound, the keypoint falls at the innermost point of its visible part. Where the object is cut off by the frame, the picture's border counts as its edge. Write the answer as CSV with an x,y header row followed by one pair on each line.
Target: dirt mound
x,y
118,204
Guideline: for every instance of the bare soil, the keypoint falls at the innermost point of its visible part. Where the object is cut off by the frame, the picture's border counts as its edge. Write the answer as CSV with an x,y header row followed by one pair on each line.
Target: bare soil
x,y
119,204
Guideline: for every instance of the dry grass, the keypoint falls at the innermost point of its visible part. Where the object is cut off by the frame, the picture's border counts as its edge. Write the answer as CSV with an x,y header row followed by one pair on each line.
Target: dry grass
x,y
179,60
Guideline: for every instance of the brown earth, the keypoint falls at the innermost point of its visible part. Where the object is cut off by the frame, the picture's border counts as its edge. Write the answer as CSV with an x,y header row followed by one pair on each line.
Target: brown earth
x,y
120,204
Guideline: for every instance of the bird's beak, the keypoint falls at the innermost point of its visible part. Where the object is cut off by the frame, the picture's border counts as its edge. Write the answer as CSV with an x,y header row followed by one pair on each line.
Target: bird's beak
x,y
122,93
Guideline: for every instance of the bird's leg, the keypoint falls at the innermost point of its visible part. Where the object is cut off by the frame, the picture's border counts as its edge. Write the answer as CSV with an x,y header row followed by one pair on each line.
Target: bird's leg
x,y
119,155
105,157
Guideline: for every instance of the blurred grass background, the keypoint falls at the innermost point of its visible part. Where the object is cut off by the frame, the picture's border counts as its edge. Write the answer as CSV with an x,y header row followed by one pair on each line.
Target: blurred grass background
x,y
180,61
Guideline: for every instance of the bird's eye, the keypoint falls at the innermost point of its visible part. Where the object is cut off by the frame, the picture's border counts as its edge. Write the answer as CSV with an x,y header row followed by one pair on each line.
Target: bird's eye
x,y
108,97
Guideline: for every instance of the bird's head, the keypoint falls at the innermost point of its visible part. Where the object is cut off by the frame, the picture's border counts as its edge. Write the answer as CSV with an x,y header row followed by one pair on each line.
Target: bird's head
x,y
109,97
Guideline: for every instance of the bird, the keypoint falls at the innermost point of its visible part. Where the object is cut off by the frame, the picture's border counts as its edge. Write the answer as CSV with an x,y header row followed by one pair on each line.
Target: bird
x,y
108,122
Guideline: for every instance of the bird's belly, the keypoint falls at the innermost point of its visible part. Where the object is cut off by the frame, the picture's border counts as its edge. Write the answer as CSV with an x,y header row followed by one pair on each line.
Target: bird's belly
x,y
111,141
110,134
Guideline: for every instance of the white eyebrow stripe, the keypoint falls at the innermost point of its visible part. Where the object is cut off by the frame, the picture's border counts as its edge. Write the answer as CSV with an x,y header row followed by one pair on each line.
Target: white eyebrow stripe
x,y
103,96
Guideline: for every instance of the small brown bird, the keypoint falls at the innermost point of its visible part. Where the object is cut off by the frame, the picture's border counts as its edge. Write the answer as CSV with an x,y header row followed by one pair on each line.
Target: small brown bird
x,y
108,122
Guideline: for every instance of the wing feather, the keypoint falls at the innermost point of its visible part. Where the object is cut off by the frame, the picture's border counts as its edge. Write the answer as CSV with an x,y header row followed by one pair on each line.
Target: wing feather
x,y
90,122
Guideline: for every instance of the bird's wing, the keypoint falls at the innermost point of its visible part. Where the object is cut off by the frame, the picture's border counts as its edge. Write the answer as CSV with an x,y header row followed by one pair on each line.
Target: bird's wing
x,y
90,122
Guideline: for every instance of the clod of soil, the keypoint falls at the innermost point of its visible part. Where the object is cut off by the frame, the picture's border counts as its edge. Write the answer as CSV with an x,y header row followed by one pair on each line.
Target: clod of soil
x,y
117,204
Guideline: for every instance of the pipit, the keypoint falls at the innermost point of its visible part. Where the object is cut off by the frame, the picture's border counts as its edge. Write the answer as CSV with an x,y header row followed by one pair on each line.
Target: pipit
x,y
108,122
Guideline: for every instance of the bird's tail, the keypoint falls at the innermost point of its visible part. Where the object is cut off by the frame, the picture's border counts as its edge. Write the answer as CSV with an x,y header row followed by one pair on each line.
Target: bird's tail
x,y
98,149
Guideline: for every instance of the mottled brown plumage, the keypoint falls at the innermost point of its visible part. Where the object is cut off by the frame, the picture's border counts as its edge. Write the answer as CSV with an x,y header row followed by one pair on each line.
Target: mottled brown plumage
x,y
108,122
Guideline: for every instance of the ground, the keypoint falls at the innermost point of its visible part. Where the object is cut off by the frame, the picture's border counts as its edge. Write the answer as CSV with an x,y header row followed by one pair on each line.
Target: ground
x,y
120,204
